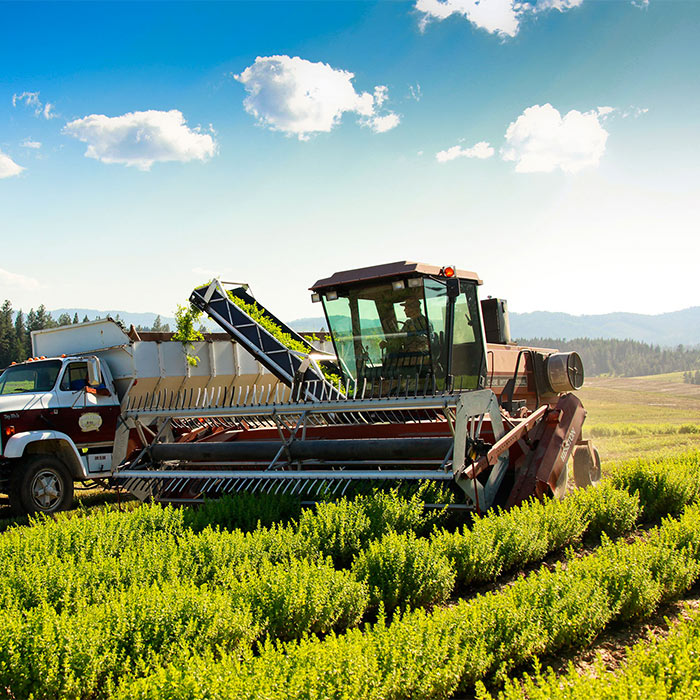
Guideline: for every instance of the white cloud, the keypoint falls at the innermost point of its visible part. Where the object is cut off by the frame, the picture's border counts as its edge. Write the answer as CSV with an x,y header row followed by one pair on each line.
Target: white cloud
x,y
140,139
501,17
541,140
415,92
384,123
28,143
299,97
634,112
31,99
16,281
8,167
479,150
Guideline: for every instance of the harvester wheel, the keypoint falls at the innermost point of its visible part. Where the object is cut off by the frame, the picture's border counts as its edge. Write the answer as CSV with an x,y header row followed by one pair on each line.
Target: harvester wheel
x,y
586,465
41,484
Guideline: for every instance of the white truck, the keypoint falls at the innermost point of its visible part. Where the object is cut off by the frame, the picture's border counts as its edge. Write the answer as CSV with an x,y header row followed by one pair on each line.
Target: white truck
x,y
59,410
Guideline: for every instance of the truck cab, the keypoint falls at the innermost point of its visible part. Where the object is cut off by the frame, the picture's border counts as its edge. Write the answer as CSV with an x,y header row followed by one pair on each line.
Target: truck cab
x,y
58,416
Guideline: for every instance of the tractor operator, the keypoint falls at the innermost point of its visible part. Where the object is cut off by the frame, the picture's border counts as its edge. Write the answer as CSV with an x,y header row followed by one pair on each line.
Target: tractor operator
x,y
415,327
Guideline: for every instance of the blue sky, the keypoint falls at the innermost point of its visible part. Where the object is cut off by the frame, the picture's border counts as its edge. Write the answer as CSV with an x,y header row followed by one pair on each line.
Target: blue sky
x,y
553,149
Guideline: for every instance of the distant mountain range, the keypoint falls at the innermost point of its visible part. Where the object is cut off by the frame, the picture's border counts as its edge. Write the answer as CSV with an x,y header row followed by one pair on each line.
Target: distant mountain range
x,y
668,329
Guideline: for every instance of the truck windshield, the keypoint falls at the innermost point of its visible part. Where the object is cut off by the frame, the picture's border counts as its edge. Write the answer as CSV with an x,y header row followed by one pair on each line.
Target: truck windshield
x,y
24,379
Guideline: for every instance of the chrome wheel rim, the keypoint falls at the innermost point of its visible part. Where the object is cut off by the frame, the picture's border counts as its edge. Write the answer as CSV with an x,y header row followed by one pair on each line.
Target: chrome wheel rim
x,y
46,490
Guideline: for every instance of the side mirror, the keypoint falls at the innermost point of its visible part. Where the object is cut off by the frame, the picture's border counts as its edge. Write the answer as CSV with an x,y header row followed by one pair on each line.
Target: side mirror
x,y
94,372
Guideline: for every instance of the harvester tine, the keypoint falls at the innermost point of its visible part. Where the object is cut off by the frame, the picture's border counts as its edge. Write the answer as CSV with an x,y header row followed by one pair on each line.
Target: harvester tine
x,y
247,390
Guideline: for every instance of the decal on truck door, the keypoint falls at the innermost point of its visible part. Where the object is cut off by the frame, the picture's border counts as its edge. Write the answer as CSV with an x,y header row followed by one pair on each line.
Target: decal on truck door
x,y
90,421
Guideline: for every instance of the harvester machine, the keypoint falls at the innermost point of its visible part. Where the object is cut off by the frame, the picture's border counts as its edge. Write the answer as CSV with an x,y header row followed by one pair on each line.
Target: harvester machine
x,y
423,384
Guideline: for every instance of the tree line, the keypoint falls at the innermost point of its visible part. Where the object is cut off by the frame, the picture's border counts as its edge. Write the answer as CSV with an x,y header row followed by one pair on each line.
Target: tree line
x,y
625,358
692,377
16,328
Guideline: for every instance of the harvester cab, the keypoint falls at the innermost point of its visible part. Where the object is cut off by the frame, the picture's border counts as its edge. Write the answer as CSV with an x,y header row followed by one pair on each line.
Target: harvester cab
x,y
424,385
406,324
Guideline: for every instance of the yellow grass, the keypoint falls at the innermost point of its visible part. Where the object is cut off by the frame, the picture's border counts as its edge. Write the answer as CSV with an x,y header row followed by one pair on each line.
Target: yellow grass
x,y
641,416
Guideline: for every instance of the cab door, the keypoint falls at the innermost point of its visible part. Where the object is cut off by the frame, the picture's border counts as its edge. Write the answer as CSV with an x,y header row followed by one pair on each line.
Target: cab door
x,y
88,414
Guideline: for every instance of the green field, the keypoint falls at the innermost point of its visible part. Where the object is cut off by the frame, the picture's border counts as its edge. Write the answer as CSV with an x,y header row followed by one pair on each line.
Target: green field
x,y
373,597
641,416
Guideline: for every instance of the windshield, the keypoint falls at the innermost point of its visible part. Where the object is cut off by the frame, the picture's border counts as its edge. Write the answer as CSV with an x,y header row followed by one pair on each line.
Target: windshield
x,y
34,377
382,332
401,331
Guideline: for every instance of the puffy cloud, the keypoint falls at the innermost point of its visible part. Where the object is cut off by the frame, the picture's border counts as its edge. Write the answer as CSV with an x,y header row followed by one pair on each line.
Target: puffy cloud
x,y
384,123
299,97
140,139
8,167
500,17
541,140
480,150
15,281
31,99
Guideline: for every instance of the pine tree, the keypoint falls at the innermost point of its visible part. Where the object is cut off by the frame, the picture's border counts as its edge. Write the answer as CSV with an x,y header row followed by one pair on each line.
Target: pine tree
x,y
8,343
44,319
75,318
86,319
64,320
157,326
22,341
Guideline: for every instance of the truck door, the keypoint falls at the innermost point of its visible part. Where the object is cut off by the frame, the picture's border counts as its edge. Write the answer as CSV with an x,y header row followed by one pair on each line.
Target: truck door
x,y
88,414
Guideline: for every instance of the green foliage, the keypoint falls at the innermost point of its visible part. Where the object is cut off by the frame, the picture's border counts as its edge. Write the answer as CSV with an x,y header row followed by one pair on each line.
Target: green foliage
x,y
500,541
627,358
425,655
663,485
607,509
297,597
185,319
158,603
627,429
337,529
402,570
245,511
262,319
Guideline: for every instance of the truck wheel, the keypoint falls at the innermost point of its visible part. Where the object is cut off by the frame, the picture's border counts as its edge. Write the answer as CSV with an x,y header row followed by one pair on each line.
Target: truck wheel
x,y
42,484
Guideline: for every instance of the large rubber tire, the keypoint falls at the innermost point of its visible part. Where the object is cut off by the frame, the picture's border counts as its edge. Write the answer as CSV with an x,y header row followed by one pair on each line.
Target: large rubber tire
x,y
41,484
587,470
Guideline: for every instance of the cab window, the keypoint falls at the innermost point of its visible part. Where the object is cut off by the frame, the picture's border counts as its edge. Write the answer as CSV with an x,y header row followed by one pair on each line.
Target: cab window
x,y
75,377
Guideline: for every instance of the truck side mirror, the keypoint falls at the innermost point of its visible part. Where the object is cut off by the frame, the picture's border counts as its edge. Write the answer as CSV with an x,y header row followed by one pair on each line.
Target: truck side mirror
x,y
94,373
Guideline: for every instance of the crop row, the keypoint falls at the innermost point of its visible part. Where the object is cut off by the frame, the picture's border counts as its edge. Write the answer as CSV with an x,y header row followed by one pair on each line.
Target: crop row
x,y
659,669
627,429
432,655
73,589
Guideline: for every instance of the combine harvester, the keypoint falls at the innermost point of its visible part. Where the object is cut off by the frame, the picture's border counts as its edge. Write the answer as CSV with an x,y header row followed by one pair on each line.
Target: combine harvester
x,y
423,383
426,385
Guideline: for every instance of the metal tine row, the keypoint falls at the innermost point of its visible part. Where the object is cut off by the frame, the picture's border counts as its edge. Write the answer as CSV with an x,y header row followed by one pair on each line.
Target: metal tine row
x,y
170,487
224,396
